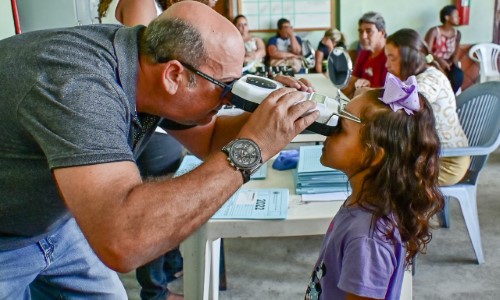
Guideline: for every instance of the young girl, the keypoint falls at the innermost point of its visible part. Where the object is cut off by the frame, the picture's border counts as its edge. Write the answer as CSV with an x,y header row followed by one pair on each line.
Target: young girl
x,y
390,156
444,41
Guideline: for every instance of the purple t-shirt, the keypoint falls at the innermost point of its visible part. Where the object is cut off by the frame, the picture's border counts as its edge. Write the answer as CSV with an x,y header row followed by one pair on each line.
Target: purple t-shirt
x,y
357,258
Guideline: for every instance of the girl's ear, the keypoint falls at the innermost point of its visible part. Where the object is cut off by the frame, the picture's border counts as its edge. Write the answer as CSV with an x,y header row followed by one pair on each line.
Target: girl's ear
x,y
172,76
378,157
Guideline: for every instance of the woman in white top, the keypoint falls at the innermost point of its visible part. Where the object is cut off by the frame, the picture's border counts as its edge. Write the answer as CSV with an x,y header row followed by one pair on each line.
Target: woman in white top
x,y
255,49
408,55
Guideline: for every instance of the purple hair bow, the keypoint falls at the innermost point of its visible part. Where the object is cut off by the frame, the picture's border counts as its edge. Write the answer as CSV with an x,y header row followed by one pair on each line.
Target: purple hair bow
x,y
401,95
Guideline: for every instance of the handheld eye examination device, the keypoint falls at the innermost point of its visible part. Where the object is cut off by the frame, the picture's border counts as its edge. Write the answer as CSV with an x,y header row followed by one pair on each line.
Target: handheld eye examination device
x,y
249,91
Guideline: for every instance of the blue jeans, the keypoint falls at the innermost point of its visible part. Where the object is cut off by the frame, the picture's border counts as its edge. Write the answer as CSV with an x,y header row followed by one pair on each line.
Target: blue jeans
x,y
62,265
157,274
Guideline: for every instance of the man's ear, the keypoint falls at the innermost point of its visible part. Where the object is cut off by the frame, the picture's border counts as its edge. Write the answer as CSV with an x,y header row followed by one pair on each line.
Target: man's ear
x,y
172,76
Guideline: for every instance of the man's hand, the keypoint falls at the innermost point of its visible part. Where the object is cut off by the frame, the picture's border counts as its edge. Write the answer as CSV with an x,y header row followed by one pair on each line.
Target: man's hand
x,y
361,82
302,84
289,32
278,119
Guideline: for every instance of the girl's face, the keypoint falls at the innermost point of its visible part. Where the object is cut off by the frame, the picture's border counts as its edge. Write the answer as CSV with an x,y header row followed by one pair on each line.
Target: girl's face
x,y
242,25
393,63
343,150
453,18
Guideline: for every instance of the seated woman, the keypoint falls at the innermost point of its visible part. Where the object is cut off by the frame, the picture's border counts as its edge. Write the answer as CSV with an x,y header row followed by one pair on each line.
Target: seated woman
x,y
444,41
408,55
332,38
255,49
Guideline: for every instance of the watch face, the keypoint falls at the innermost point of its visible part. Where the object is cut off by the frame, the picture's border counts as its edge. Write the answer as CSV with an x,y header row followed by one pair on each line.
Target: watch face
x,y
245,153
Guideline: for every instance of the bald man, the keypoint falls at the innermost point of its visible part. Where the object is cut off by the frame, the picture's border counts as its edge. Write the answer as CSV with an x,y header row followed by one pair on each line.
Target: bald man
x,y
77,105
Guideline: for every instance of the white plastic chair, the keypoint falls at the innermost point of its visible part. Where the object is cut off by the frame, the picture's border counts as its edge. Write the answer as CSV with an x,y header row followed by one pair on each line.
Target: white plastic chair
x,y
487,55
478,109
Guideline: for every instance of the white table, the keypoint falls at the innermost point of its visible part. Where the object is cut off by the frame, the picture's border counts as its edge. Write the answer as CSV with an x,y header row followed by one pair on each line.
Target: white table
x,y
321,84
201,250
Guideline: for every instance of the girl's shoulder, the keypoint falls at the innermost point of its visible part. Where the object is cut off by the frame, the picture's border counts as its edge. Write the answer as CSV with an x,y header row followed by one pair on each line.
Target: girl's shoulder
x,y
360,222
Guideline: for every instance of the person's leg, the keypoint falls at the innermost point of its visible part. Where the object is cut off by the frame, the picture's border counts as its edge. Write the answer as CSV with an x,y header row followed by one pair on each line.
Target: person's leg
x,y
153,279
162,155
173,264
73,270
18,268
456,77
452,169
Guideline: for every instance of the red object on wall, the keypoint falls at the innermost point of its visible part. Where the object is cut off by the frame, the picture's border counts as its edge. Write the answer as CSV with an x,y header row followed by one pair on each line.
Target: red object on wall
x,y
463,7
15,14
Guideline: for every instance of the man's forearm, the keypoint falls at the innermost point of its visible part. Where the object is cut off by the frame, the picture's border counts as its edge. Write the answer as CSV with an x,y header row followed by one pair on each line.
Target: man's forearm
x,y
226,129
295,46
129,223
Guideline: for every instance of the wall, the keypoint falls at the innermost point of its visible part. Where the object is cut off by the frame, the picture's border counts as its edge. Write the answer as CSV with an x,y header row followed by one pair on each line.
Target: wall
x,y
43,14
419,15
6,20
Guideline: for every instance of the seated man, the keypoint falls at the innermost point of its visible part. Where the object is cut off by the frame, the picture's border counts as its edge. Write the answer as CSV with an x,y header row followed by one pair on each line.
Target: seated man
x,y
285,49
369,68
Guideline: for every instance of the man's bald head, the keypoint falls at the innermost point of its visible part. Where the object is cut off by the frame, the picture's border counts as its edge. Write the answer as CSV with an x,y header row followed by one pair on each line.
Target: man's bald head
x,y
193,32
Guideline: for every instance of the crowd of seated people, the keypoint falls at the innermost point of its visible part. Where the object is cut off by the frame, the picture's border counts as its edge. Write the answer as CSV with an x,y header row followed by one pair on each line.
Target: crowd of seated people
x,y
433,60
285,49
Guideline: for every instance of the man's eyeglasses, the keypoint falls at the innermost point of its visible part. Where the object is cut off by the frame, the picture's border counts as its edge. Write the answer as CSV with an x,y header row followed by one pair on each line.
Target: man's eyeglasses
x,y
226,87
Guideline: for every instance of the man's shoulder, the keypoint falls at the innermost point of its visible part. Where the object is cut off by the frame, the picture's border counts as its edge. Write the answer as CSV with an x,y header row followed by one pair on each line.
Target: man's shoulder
x,y
273,40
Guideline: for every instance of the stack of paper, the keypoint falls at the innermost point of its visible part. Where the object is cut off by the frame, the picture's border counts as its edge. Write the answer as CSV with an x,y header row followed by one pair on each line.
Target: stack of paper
x,y
312,177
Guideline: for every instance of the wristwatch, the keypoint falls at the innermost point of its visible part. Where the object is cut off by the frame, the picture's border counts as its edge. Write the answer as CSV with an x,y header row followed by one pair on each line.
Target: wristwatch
x,y
244,155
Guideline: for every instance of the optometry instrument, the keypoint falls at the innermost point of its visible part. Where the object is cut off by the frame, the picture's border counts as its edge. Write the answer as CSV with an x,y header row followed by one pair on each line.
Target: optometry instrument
x,y
249,91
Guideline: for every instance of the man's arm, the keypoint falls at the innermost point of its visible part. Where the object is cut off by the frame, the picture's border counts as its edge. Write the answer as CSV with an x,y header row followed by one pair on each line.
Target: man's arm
x,y
202,140
350,88
295,45
128,222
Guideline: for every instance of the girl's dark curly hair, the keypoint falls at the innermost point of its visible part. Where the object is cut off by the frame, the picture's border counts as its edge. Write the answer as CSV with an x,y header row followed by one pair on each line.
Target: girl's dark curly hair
x,y
405,181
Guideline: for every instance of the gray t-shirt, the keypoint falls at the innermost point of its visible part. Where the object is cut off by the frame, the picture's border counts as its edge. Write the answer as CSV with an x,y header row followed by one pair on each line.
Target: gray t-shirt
x,y
67,98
